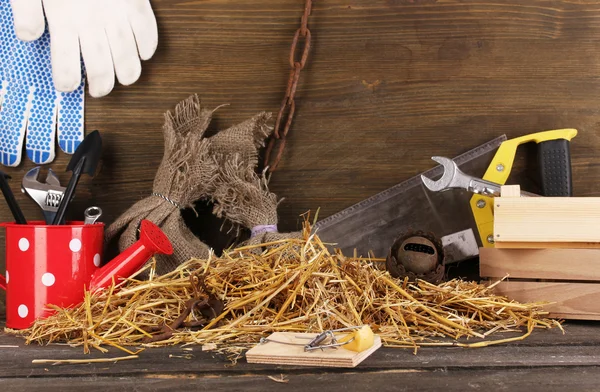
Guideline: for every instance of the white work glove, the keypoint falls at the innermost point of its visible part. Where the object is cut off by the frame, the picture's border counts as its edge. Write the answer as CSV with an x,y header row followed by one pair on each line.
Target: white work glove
x,y
112,34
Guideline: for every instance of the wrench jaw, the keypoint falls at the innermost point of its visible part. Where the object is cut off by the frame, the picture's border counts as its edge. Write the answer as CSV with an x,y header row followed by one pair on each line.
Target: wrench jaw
x,y
47,195
52,178
454,178
448,177
430,184
30,179
32,187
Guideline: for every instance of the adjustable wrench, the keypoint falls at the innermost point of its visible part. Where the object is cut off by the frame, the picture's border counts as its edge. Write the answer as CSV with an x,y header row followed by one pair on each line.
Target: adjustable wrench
x,y
47,195
454,178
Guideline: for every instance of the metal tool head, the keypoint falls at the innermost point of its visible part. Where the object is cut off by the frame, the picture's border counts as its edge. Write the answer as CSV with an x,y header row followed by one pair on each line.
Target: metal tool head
x,y
30,180
92,214
87,154
52,178
451,178
46,194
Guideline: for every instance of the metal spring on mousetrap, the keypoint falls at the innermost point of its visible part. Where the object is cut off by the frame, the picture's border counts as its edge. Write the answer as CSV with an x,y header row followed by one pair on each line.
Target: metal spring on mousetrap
x,y
316,343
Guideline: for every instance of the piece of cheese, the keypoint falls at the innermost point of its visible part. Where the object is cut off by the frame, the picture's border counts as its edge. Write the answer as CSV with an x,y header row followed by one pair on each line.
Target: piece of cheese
x,y
363,339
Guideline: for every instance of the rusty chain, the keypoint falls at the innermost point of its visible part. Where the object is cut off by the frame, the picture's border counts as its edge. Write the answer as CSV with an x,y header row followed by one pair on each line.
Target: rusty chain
x,y
288,105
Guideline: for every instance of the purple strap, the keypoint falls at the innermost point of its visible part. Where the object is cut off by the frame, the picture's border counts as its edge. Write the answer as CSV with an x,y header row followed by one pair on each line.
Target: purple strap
x,y
256,230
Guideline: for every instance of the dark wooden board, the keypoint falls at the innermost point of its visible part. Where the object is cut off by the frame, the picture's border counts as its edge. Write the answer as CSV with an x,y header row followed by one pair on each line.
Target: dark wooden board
x,y
579,347
548,359
546,379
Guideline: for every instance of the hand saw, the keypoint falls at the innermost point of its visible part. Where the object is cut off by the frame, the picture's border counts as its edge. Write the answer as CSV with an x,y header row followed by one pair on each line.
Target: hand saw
x,y
371,226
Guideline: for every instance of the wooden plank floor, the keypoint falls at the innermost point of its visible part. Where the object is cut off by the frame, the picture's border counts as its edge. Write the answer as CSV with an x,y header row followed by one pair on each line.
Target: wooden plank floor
x,y
548,360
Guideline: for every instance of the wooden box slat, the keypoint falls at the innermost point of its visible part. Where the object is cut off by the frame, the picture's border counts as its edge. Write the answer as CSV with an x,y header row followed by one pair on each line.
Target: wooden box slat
x,y
560,264
547,219
579,301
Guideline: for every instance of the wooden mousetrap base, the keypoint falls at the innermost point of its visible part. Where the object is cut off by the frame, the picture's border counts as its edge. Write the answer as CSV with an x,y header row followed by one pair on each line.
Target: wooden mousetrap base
x,y
275,353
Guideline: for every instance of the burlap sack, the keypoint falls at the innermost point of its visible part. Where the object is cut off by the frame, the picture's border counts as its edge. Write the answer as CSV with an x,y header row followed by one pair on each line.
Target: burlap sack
x,y
185,175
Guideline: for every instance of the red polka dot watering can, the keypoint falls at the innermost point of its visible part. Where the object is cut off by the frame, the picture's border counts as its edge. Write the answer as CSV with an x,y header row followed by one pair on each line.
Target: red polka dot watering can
x,y
54,264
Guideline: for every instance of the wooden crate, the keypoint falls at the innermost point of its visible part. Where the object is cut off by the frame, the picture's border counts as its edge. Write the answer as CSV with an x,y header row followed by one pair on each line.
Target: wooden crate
x,y
569,279
550,249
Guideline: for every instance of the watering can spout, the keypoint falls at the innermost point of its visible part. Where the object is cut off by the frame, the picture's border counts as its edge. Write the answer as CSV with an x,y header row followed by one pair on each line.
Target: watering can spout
x,y
152,241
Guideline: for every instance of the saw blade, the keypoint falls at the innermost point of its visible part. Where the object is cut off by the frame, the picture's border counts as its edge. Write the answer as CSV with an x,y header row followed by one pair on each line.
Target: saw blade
x,y
371,226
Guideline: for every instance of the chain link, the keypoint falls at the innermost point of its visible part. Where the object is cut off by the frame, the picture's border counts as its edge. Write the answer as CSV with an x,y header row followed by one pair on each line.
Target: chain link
x,y
302,39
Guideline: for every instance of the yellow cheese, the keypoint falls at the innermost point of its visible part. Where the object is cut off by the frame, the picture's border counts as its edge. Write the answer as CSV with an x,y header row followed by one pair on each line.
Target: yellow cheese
x,y
363,339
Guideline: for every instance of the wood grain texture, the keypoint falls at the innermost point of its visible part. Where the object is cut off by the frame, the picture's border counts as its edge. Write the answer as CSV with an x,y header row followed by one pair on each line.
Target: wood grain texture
x,y
551,356
557,264
578,301
395,380
543,348
510,191
388,84
547,245
547,219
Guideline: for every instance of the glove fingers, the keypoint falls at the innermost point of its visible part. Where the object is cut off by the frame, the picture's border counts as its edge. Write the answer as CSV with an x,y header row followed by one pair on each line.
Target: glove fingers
x,y
29,19
41,126
98,62
13,120
66,63
124,53
143,24
70,119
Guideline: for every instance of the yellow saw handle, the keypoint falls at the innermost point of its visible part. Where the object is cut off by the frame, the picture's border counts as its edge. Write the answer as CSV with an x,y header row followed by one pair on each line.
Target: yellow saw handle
x,y
498,172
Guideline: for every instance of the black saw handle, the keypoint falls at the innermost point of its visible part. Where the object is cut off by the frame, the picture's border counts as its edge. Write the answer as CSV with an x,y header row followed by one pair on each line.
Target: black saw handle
x,y
555,167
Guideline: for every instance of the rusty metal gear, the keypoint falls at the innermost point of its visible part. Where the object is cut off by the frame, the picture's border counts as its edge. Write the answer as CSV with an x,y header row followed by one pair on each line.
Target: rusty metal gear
x,y
417,255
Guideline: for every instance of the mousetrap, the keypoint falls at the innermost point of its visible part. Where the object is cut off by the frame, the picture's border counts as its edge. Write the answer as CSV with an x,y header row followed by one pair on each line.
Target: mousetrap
x,y
312,349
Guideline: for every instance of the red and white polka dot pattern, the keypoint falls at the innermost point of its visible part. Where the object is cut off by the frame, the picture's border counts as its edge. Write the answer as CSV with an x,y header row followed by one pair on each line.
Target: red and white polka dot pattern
x,y
48,265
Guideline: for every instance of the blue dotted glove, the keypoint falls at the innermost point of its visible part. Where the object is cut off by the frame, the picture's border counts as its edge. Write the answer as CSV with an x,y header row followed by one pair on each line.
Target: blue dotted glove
x,y
29,103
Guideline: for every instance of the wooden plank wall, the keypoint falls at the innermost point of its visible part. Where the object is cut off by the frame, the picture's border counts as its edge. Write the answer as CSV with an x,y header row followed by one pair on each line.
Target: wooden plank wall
x,y
389,83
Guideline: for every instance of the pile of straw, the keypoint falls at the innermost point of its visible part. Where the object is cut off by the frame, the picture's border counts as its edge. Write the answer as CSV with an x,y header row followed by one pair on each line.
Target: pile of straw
x,y
270,291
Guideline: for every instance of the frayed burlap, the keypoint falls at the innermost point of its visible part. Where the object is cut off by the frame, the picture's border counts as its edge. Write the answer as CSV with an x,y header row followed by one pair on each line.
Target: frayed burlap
x,y
243,197
185,175
220,168
242,141
188,172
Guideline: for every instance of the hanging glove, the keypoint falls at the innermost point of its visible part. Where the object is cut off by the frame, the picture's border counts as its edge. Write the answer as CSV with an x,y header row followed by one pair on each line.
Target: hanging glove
x,y
112,35
29,103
